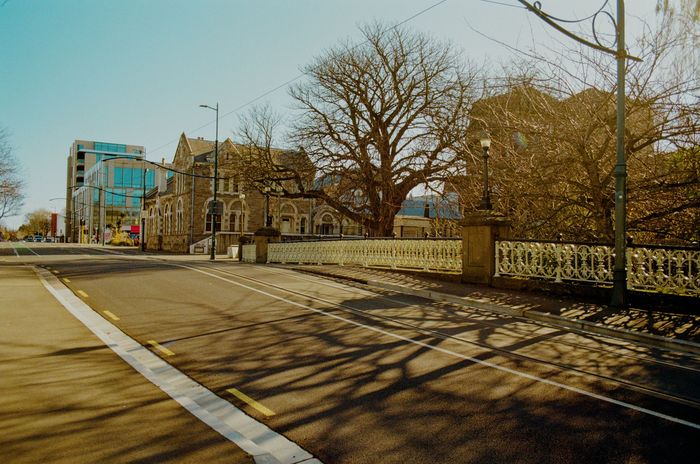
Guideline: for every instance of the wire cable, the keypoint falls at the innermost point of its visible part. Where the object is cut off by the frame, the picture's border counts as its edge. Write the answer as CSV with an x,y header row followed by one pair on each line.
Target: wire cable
x,y
297,77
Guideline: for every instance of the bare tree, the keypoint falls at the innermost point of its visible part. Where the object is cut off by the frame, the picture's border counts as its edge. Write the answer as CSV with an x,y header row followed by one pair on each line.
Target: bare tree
x,y
554,143
375,121
11,184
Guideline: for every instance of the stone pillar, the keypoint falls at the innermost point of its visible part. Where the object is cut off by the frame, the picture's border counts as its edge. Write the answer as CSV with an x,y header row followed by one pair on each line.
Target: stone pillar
x,y
263,236
480,230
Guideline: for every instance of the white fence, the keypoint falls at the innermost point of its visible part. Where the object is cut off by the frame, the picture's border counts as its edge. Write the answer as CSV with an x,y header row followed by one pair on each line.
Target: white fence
x,y
422,254
248,253
663,270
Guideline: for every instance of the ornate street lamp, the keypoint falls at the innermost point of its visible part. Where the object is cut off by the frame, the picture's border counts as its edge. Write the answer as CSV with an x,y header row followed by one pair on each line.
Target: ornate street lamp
x,y
241,197
215,204
485,204
268,219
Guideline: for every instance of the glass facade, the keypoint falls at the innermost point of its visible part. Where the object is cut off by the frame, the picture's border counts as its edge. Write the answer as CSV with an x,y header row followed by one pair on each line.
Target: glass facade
x,y
110,147
112,194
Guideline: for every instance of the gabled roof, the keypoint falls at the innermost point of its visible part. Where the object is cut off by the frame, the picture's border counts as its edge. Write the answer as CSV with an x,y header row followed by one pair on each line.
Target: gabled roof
x,y
199,146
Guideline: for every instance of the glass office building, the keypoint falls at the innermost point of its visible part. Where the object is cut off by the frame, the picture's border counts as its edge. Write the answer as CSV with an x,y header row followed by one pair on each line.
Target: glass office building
x,y
105,185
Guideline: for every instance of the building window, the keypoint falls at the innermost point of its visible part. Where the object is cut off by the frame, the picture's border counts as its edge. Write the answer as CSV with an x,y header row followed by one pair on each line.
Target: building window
x,y
179,226
168,219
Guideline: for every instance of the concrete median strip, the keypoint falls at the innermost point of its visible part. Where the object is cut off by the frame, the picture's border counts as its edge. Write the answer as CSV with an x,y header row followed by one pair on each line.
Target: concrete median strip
x,y
253,437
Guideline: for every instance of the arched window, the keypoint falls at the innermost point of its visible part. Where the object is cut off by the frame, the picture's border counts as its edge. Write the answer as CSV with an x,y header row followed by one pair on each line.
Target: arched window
x,y
179,217
168,219
327,224
236,217
151,225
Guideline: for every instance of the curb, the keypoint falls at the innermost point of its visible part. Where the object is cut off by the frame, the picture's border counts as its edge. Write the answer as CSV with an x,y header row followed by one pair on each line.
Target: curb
x,y
657,341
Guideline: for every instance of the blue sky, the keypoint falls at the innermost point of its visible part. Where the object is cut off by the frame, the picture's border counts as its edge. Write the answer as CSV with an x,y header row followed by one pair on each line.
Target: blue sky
x,y
135,71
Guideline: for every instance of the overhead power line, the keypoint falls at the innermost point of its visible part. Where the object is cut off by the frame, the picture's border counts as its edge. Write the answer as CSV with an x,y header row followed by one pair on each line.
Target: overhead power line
x,y
296,78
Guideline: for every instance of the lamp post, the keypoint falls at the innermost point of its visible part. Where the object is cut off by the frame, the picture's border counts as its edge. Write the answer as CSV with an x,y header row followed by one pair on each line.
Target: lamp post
x,y
268,219
278,191
214,209
485,204
241,197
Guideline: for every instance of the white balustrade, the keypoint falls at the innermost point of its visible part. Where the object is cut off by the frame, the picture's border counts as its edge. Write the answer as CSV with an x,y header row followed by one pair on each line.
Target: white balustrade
x,y
426,255
652,269
248,253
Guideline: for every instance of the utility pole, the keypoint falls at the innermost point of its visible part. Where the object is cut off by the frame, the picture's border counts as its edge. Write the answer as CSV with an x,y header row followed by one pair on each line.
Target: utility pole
x,y
619,293
215,207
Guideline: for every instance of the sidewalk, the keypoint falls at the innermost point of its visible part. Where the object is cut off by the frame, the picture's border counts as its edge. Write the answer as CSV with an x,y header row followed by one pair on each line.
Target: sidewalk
x,y
65,397
663,329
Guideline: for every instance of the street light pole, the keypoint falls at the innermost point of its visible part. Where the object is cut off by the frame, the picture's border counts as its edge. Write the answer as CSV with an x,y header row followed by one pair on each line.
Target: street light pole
x,y
241,197
268,219
214,209
485,204
619,296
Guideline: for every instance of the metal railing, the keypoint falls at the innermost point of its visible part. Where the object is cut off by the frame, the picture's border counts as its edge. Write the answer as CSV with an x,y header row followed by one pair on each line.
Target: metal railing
x,y
430,255
650,268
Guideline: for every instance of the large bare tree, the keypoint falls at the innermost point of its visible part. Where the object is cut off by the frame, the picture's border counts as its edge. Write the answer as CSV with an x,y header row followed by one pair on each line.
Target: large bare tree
x,y
374,121
11,196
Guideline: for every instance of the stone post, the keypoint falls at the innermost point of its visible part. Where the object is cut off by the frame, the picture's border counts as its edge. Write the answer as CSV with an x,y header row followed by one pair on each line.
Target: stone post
x,y
263,236
480,230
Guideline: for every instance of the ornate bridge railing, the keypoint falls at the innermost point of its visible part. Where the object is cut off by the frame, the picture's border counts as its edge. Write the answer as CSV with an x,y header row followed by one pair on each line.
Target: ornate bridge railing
x,y
659,269
439,255
248,253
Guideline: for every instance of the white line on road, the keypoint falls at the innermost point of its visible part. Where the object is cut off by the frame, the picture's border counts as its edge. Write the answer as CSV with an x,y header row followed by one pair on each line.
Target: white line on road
x,y
255,438
453,353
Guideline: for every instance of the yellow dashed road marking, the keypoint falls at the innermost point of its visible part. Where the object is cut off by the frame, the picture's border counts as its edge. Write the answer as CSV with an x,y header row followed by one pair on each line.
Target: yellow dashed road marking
x,y
160,348
111,315
66,280
243,397
82,293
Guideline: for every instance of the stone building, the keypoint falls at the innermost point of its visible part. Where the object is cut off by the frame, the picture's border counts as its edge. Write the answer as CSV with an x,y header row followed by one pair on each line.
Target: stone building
x,y
178,213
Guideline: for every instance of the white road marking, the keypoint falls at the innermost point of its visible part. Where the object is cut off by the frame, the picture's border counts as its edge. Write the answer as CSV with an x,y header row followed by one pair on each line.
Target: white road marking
x,y
455,354
255,438
32,250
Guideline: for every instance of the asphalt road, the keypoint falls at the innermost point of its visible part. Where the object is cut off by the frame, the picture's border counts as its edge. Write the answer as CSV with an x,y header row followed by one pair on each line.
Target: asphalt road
x,y
356,375
65,397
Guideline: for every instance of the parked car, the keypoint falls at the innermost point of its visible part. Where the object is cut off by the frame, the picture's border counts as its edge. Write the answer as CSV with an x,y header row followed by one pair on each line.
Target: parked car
x,y
29,238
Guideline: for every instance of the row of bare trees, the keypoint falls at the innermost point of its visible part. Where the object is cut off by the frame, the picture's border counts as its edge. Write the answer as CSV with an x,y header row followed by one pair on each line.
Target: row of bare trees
x,y
402,110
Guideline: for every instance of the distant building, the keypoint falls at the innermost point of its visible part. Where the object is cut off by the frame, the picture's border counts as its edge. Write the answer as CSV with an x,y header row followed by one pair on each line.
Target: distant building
x,y
104,185
180,214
